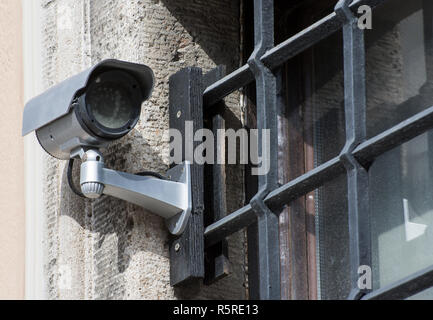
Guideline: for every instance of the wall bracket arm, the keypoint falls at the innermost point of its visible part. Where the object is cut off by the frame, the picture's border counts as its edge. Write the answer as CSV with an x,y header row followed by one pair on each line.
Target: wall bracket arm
x,y
170,199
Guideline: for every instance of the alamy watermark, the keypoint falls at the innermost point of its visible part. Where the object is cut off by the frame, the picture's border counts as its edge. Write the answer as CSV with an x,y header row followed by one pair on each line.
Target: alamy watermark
x,y
248,143
365,278
365,21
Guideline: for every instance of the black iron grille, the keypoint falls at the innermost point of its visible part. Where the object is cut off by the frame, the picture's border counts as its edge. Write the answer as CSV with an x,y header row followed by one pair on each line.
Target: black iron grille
x,y
358,153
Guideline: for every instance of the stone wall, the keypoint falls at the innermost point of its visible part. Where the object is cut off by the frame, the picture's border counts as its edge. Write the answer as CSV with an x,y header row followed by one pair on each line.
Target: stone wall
x,y
107,248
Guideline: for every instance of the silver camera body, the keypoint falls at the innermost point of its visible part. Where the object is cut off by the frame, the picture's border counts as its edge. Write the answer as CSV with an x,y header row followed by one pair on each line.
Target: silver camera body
x,y
77,117
64,119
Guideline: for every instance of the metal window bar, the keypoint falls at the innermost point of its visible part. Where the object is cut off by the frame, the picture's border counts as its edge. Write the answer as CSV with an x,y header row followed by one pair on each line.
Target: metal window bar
x,y
355,115
278,55
356,155
266,231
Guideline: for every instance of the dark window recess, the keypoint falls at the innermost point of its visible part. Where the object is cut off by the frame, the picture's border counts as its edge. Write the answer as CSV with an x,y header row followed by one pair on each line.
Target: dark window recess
x,y
350,113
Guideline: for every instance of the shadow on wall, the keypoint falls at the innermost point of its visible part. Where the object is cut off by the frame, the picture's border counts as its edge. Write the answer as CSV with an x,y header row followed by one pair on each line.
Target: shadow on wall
x,y
209,27
122,229
114,219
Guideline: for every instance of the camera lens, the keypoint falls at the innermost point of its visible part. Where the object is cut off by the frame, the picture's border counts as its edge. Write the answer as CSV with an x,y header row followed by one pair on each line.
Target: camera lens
x,y
110,104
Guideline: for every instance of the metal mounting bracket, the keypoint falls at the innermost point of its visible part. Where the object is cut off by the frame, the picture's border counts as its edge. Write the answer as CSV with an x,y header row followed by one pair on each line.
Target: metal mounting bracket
x,y
170,199
182,174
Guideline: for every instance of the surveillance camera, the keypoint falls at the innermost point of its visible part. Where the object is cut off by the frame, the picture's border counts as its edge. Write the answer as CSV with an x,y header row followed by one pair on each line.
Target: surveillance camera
x,y
90,109
85,112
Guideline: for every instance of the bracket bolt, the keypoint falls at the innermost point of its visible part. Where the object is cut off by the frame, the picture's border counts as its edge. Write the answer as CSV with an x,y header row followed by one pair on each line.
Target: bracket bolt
x,y
177,247
179,114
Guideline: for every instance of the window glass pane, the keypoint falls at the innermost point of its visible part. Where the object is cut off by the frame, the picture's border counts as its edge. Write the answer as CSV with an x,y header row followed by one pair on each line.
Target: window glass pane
x,y
311,132
311,93
324,99
401,184
316,134
322,214
399,85
398,63
324,123
313,97
332,232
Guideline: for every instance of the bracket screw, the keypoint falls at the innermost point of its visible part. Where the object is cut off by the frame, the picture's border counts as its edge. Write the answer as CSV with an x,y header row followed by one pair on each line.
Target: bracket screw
x,y
179,114
177,247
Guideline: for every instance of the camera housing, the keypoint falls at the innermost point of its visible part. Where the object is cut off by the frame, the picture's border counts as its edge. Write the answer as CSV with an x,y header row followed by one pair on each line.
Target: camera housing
x,y
90,109
85,112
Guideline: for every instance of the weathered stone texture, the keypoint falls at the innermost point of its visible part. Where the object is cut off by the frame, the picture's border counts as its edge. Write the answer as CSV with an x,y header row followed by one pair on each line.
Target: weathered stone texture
x,y
107,248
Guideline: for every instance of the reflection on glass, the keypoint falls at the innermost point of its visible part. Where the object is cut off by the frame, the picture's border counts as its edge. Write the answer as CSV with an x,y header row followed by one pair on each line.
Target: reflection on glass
x,y
110,104
398,63
399,85
401,184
